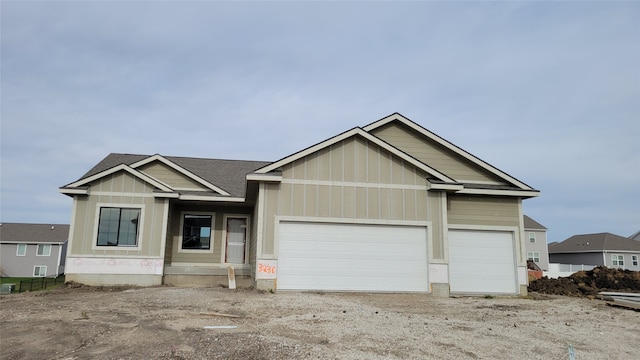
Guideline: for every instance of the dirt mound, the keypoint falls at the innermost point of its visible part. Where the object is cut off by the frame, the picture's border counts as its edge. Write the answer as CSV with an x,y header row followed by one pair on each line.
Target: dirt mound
x,y
589,283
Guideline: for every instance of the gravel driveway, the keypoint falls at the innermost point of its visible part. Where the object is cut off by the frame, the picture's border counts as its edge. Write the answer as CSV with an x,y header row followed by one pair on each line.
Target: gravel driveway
x,y
169,323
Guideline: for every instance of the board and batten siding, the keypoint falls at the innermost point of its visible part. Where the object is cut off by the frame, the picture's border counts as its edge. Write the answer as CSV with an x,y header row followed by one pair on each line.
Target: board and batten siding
x,y
351,179
120,190
170,176
433,154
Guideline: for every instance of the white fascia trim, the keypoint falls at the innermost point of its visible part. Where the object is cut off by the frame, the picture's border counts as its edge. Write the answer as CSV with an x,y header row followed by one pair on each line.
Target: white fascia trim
x,y
210,198
68,191
264,177
172,195
353,132
523,193
122,167
447,145
181,170
450,187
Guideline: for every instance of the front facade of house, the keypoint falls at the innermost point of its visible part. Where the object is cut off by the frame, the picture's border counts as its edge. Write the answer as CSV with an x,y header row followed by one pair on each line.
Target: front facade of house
x,y
33,250
385,207
536,243
601,249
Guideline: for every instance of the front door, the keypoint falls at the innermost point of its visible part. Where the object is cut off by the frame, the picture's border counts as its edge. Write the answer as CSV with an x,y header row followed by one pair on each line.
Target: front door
x,y
236,240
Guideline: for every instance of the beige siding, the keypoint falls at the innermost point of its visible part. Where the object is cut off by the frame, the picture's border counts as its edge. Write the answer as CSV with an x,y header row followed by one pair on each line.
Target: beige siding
x,y
121,190
218,235
170,176
433,154
352,179
483,210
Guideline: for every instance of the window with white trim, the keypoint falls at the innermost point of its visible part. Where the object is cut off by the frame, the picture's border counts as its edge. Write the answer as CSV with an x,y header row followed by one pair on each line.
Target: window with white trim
x,y
44,250
617,260
535,256
532,237
196,231
39,271
118,226
21,250
634,260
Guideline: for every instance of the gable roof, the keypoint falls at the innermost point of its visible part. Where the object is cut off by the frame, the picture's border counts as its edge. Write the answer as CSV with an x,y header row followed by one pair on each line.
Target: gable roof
x,y
599,242
351,133
229,176
529,223
34,233
635,236
451,147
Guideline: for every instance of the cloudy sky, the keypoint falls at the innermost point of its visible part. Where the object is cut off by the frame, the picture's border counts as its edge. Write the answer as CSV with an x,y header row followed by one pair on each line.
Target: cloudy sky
x,y
548,92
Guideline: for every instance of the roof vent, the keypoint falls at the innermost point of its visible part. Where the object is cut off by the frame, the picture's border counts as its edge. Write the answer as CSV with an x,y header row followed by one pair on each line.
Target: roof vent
x,y
52,227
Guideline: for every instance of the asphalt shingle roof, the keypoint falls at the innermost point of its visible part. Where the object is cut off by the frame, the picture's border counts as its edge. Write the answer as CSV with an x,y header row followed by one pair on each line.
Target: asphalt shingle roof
x,y
34,233
229,175
594,243
529,223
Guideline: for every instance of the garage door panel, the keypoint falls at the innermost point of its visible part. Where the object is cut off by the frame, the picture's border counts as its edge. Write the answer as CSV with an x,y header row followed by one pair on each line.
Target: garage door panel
x,y
345,257
482,262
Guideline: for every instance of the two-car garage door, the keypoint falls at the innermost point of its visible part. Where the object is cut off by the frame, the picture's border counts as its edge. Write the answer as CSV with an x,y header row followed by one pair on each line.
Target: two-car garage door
x,y
359,257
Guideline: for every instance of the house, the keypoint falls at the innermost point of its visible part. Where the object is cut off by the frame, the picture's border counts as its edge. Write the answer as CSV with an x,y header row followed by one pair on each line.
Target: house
x,y
388,207
536,243
602,249
33,249
635,236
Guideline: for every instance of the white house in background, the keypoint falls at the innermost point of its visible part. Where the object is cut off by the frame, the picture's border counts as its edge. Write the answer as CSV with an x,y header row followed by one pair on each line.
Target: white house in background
x,y
536,242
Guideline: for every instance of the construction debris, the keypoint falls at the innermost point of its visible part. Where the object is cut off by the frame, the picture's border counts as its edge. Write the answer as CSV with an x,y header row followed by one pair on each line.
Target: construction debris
x,y
589,283
627,300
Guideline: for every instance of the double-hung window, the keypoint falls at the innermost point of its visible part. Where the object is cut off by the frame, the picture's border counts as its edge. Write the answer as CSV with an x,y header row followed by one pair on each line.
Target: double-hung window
x,y
196,231
21,250
118,226
40,271
44,250
532,237
634,260
535,256
617,260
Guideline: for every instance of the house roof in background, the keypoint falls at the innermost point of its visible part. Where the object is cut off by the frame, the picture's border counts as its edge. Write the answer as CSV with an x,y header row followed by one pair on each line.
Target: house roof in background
x,y
594,243
635,236
529,223
229,175
33,233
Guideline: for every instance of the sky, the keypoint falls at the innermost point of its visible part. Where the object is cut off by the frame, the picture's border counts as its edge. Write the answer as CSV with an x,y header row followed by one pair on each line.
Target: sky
x,y
548,92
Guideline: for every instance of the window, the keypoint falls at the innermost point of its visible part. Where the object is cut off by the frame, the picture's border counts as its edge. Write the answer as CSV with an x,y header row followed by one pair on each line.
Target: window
x,y
196,232
40,271
634,260
617,260
44,250
532,237
118,226
535,256
21,250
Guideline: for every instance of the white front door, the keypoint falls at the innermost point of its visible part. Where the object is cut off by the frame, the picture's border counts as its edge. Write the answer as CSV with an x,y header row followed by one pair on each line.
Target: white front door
x,y
236,240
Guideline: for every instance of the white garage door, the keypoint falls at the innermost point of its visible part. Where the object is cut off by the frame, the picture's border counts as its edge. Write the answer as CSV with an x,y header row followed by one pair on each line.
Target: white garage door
x,y
345,257
482,262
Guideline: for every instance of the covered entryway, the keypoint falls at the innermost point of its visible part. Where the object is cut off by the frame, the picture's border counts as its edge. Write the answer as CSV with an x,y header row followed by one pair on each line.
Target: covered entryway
x,y
352,257
482,262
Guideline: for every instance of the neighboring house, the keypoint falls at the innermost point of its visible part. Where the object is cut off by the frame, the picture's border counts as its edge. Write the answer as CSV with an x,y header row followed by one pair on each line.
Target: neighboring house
x,y
603,249
33,249
536,243
385,207
635,236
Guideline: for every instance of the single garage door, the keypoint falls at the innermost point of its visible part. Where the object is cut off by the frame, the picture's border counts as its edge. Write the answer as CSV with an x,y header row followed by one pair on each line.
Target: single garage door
x,y
348,257
482,262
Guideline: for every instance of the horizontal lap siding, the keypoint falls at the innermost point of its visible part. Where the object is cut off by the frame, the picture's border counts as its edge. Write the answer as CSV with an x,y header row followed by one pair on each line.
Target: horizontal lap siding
x,y
433,154
121,190
483,210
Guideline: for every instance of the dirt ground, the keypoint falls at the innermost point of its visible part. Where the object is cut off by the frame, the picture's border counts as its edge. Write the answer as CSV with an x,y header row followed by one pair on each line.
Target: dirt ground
x,y
589,283
169,323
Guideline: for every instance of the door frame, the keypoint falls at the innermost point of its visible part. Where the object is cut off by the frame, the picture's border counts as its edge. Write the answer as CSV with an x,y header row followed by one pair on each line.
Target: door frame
x,y
247,240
